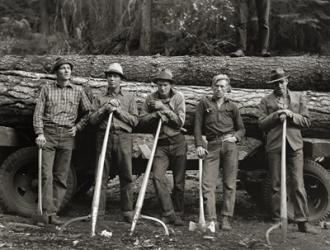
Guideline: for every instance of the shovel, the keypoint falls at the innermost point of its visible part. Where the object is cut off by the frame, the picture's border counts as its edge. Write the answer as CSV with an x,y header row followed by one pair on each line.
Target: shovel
x,y
201,225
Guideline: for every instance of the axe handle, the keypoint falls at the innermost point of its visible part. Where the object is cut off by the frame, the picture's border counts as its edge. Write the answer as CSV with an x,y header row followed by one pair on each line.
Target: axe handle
x,y
284,217
201,205
99,173
139,202
40,180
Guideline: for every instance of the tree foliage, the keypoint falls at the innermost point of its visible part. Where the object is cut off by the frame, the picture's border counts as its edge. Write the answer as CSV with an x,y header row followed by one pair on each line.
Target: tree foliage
x,y
138,27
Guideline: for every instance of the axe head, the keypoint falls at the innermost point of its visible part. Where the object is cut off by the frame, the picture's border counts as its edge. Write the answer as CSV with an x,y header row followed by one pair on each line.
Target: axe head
x,y
202,226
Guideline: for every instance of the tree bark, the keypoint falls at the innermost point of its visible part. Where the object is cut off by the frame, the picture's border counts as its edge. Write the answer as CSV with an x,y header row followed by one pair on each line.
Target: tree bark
x,y
19,90
305,72
145,36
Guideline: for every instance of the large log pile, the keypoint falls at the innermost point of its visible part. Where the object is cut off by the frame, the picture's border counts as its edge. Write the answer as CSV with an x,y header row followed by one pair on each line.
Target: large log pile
x,y
19,89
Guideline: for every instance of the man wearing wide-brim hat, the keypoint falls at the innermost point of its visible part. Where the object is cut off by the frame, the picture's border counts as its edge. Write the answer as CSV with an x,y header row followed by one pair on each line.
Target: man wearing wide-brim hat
x,y
168,105
275,107
55,124
119,148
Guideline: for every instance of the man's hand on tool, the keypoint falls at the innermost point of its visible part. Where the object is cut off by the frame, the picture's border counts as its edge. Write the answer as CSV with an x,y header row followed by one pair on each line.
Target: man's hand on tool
x,y
201,152
162,116
40,140
110,108
73,131
156,105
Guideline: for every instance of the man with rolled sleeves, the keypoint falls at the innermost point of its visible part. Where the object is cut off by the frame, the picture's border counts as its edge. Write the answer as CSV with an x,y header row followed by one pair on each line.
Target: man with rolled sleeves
x,y
275,107
168,105
242,11
119,148
219,119
55,125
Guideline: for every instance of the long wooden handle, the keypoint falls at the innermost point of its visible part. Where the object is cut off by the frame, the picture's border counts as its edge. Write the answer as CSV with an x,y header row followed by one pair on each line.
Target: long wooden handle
x,y
99,174
139,202
40,180
284,216
201,204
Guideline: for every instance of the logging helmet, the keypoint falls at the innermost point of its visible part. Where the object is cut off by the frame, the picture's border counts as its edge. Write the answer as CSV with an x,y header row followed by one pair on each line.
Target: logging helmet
x,y
60,61
115,68
165,75
277,75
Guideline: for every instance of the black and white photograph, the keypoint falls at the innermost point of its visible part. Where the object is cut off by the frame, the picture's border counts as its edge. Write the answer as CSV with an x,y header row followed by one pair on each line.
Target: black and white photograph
x,y
165,124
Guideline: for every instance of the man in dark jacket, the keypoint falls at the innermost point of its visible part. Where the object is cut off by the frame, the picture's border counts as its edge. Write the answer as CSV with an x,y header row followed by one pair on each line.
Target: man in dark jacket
x,y
119,148
277,106
168,105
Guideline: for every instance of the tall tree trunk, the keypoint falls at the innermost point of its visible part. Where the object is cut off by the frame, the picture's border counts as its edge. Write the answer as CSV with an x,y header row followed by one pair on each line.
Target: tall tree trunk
x,y
44,17
145,36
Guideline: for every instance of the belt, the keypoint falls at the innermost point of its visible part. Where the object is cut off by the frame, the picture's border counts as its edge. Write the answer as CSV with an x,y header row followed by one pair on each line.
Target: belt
x,y
176,139
219,137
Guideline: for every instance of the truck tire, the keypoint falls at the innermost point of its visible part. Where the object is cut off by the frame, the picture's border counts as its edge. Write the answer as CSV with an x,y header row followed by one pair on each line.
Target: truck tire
x,y
19,182
317,185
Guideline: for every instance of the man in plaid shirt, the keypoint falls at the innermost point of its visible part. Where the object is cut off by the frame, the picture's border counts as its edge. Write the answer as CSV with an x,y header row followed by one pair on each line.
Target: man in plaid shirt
x,y
55,125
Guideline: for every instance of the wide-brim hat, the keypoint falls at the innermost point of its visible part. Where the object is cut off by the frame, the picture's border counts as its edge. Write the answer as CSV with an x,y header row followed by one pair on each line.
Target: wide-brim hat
x,y
165,75
115,68
277,75
60,61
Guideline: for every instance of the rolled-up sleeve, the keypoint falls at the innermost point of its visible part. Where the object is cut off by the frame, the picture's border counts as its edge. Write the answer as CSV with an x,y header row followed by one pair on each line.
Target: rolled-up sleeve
x,y
38,123
198,124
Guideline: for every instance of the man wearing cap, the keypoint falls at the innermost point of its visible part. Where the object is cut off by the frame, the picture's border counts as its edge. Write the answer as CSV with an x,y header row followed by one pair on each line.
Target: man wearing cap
x,y
243,8
168,105
55,124
220,121
119,148
279,105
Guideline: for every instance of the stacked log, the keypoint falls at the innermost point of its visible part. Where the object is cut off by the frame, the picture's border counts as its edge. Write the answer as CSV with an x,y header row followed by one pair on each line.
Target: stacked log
x,y
19,89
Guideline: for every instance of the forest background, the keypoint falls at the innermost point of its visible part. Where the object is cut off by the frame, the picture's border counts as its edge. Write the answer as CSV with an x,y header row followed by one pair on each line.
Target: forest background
x,y
150,27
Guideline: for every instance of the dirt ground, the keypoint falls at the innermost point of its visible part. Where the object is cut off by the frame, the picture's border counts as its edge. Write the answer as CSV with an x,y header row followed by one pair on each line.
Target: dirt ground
x,y
249,227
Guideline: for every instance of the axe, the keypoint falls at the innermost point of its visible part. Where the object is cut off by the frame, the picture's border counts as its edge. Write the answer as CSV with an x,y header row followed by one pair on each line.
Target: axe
x,y
201,225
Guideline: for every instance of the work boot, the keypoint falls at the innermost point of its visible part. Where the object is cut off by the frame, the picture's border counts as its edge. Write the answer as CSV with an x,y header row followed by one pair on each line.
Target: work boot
x,y
265,53
173,219
238,53
305,227
128,218
55,220
225,224
40,220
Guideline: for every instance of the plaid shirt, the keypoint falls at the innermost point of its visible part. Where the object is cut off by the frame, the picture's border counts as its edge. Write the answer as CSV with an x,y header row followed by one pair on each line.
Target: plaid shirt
x,y
58,106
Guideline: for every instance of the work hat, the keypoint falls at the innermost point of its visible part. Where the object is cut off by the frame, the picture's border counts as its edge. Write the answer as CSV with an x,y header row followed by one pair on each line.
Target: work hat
x,y
164,74
115,68
277,75
60,61
220,77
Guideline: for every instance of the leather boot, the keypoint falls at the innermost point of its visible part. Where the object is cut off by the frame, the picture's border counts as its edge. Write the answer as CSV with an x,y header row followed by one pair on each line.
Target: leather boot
x,y
55,220
225,224
305,227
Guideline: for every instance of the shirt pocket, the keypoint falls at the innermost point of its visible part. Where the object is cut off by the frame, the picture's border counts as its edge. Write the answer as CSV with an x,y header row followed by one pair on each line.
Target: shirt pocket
x,y
210,116
224,117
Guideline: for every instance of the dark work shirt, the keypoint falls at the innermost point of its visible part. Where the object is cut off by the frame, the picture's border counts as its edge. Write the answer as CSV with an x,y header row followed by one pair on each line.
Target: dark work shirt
x,y
126,120
214,122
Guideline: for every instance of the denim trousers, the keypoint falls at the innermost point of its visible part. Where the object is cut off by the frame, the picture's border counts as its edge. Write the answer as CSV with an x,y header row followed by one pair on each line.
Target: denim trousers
x,y
170,155
56,158
296,188
118,157
224,154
